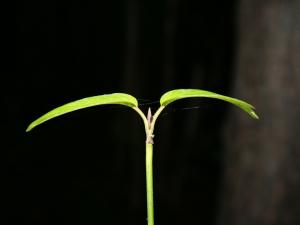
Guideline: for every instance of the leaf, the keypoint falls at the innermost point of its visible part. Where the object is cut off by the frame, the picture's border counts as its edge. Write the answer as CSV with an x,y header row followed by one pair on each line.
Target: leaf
x,y
116,98
174,95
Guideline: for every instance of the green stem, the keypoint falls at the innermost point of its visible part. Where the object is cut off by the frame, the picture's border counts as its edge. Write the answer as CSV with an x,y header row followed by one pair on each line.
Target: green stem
x,y
149,123
149,183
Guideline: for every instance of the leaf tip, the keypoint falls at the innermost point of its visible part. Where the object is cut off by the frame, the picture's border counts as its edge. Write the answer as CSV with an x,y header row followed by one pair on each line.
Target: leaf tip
x,y
254,115
29,128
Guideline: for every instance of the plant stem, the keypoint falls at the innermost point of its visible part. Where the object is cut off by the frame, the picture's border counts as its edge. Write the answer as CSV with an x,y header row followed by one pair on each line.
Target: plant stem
x,y
149,183
149,123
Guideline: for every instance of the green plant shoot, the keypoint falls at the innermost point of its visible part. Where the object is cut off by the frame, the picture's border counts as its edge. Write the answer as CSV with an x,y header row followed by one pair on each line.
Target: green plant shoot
x,y
149,121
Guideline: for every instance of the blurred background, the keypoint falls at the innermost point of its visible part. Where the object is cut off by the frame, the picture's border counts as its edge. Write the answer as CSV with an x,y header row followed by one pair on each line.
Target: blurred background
x,y
213,164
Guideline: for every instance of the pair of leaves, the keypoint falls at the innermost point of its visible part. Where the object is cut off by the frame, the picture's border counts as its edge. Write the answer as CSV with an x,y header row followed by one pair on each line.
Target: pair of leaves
x,y
130,101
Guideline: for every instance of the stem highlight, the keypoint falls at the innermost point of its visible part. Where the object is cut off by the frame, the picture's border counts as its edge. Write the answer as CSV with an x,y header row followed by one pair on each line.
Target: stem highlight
x,y
149,183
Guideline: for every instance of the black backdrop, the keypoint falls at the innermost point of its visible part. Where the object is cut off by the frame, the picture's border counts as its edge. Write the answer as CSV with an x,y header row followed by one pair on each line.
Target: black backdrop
x,y
88,167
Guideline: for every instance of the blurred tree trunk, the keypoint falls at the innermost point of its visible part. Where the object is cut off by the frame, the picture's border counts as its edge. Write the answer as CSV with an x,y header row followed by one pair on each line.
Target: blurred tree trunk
x,y
262,182
130,83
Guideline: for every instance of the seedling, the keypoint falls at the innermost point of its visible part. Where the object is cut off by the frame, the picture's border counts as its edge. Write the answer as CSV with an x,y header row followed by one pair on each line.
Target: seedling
x,y
149,121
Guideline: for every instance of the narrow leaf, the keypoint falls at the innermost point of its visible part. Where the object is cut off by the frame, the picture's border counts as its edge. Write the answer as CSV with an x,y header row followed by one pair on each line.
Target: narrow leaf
x,y
117,98
174,95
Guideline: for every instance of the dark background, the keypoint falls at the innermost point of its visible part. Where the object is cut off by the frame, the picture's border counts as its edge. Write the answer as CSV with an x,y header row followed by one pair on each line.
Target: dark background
x,y
212,163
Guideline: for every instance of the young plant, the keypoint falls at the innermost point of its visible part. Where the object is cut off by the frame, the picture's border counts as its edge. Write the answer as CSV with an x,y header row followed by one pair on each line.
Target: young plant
x,y
149,121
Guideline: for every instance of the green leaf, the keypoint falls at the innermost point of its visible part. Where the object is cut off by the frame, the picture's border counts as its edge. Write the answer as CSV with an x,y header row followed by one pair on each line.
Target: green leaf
x,y
117,98
174,95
